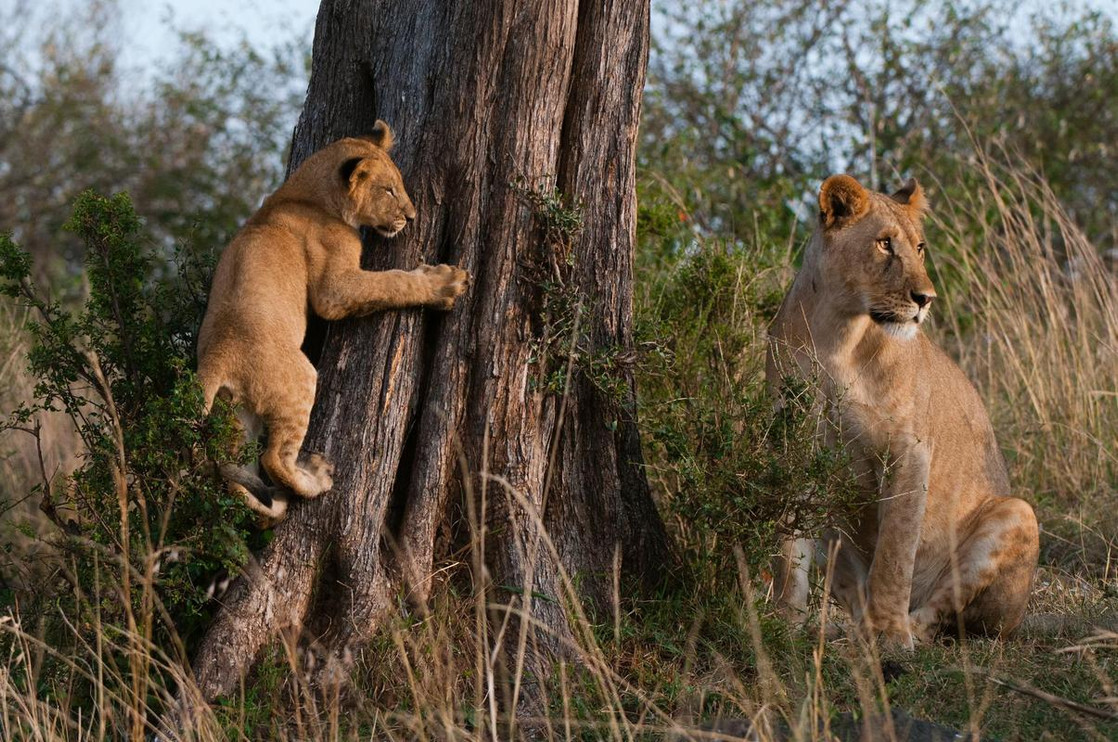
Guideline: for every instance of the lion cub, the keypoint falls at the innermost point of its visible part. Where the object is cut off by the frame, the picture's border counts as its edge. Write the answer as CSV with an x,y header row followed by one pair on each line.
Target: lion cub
x,y
302,251
941,541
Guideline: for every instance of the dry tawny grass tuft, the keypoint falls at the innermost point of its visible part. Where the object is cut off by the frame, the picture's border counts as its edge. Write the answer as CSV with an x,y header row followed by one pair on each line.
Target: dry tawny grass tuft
x,y
1035,324
1032,316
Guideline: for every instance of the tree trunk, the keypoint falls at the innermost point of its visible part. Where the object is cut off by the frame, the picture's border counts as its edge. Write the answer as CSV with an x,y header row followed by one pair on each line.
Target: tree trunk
x,y
519,403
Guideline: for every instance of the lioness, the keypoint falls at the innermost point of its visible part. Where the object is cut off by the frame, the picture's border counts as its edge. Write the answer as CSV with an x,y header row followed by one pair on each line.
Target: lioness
x,y
941,540
302,251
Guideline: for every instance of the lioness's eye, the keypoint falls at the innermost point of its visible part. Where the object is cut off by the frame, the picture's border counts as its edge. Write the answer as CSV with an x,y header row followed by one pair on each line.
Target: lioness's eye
x,y
391,192
885,245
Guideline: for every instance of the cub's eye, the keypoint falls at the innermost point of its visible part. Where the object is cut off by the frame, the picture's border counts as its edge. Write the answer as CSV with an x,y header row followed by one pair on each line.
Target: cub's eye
x,y
920,249
885,245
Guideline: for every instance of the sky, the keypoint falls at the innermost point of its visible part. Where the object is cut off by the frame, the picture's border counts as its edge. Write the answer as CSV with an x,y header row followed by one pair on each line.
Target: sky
x,y
148,24
149,38
148,29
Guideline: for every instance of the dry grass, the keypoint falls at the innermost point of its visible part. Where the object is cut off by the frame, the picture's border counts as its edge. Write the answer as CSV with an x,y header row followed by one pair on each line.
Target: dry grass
x,y
1031,314
1034,322
26,460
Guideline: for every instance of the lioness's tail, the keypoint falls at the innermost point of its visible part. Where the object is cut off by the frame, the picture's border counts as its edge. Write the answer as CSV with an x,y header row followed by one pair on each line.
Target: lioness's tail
x,y
1054,625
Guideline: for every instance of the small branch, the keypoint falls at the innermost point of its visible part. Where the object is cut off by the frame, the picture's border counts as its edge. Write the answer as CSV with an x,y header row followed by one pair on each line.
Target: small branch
x,y
1058,701
46,505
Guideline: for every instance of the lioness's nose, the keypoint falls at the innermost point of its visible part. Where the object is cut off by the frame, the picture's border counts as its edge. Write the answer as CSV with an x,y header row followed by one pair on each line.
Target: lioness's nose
x,y
922,299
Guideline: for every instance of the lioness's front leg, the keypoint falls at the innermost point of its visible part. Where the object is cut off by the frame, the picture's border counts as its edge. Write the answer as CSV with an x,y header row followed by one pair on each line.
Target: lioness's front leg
x,y
790,577
904,496
353,293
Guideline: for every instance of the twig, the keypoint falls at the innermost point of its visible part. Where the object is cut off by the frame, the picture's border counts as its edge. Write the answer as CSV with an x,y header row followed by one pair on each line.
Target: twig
x,y
1055,700
1103,639
47,504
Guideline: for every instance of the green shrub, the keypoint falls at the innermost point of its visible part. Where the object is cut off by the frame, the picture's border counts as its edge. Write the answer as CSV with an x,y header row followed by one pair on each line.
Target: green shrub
x,y
729,469
143,522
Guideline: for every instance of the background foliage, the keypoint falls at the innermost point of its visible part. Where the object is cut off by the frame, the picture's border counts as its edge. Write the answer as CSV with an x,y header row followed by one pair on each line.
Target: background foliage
x,y
1007,116
1009,121
195,140
749,104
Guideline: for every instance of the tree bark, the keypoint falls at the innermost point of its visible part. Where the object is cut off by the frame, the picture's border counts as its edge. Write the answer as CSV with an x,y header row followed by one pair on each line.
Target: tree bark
x,y
420,411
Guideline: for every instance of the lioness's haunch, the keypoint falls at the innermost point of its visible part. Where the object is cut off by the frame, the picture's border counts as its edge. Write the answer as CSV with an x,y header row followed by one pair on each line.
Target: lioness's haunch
x,y
940,539
302,251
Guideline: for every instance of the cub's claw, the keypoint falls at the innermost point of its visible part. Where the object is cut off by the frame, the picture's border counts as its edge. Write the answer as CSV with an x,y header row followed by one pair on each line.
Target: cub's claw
x,y
447,283
318,467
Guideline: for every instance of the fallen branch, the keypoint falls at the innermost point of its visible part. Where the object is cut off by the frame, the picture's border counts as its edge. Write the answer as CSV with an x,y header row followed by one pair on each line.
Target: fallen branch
x,y
1082,708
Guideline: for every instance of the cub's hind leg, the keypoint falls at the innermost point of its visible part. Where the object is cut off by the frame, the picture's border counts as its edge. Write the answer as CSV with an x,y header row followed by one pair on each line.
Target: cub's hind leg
x,y
317,466
995,564
287,416
269,502
242,480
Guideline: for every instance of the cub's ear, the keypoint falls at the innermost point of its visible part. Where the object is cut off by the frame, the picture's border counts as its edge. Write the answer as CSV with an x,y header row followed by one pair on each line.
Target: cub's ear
x,y
381,135
911,195
347,169
841,200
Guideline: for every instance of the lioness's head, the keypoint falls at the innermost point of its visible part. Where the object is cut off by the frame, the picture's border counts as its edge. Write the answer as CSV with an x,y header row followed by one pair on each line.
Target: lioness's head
x,y
872,253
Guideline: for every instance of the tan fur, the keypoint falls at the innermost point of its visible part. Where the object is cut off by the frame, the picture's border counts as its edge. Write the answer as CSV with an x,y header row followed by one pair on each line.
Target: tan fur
x,y
300,252
941,538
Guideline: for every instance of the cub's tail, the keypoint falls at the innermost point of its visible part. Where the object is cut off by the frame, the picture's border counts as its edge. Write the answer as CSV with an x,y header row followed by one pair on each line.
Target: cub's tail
x,y
268,501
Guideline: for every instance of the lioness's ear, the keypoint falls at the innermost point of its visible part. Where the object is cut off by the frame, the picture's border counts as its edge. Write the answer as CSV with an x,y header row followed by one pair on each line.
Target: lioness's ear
x,y
841,199
347,168
912,196
381,135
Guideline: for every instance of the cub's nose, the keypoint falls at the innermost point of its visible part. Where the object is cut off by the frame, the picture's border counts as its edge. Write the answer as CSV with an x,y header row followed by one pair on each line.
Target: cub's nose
x,y
922,299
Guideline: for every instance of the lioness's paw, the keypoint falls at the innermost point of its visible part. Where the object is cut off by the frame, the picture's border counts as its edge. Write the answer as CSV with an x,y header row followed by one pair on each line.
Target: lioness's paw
x,y
899,641
446,282
922,622
893,633
895,639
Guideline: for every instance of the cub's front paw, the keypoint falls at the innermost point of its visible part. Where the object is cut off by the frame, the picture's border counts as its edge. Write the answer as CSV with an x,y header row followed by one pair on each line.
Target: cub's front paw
x,y
446,283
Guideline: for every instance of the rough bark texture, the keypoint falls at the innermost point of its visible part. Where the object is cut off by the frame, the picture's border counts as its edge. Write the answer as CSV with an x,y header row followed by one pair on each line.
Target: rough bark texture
x,y
416,408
